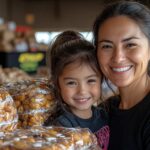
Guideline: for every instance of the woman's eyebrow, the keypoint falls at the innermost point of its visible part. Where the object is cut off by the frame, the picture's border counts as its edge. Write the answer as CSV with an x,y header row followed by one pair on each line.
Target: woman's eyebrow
x,y
130,38
124,40
108,41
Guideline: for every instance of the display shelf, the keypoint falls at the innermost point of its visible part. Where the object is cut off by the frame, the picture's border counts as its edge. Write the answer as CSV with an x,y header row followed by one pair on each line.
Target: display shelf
x,y
27,61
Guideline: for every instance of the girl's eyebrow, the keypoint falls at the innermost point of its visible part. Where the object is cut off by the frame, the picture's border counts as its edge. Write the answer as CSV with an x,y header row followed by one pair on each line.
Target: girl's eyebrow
x,y
124,40
69,78
93,75
73,78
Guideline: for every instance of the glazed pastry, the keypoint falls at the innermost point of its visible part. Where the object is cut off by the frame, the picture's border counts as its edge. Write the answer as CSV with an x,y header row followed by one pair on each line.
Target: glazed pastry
x,y
8,112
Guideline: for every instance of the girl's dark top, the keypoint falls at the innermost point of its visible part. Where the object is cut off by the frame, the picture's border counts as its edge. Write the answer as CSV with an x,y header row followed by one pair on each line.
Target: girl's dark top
x,y
98,124
129,129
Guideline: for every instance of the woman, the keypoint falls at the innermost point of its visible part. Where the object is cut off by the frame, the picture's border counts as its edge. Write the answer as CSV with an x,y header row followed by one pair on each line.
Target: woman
x,y
122,40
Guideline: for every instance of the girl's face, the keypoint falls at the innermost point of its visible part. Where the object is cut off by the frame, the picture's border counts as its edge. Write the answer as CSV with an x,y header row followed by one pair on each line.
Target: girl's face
x,y
79,88
123,51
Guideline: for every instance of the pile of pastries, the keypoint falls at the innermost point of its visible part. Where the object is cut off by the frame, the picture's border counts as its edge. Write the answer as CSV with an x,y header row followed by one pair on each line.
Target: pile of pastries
x,y
33,99
13,75
48,138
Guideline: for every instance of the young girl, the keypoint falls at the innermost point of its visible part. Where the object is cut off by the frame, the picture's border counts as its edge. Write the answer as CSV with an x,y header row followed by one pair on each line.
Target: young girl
x,y
76,78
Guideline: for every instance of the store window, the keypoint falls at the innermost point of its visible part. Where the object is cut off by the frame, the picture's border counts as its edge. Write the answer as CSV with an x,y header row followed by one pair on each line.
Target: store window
x,y
43,37
46,37
87,35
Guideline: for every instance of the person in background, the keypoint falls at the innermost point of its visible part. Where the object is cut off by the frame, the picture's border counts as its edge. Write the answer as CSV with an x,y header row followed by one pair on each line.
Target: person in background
x,y
77,84
122,40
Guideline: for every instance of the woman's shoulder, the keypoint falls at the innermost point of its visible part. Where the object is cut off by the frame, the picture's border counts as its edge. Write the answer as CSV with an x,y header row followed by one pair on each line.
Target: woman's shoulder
x,y
112,101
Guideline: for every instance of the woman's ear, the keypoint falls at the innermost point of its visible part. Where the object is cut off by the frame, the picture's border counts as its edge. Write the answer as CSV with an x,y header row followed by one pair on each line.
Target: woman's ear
x,y
148,68
149,52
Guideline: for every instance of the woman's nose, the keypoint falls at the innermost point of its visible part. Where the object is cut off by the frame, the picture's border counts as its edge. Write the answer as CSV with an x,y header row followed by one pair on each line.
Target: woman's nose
x,y
118,55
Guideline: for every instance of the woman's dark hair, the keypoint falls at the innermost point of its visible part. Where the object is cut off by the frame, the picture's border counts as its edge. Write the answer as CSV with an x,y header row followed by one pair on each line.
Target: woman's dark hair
x,y
134,10
69,47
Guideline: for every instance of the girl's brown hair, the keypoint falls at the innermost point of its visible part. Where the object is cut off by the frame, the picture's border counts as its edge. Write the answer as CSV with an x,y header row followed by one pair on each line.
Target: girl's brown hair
x,y
69,47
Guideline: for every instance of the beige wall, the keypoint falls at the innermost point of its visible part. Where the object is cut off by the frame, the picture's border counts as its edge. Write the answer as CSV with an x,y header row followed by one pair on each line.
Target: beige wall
x,y
52,14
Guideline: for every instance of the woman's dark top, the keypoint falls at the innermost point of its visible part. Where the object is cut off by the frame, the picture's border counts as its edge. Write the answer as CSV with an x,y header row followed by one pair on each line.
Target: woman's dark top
x,y
129,129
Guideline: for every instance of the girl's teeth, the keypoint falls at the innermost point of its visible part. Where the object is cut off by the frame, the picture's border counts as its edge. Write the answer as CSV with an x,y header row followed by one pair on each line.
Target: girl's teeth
x,y
121,69
83,99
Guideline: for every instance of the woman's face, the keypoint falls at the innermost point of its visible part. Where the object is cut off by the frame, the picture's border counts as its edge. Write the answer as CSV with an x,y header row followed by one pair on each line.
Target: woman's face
x,y
123,51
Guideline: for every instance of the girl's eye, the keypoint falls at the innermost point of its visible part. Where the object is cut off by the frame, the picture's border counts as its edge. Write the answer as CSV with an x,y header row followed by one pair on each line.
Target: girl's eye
x,y
71,83
92,81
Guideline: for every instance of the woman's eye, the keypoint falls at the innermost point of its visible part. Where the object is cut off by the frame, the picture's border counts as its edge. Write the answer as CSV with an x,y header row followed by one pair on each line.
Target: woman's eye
x,y
105,46
131,45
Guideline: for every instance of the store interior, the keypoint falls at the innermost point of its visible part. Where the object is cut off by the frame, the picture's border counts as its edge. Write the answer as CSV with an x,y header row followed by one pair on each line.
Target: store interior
x,y
27,28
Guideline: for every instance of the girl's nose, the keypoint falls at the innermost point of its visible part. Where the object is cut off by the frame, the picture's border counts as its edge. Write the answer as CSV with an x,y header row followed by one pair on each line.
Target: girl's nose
x,y
82,88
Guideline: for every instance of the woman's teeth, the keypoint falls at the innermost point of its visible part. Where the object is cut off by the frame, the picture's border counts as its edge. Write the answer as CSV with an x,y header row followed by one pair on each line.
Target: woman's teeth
x,y
121,69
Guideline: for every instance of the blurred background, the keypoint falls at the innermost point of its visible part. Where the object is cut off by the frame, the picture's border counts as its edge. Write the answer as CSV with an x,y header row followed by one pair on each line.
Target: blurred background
x,y
28,26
